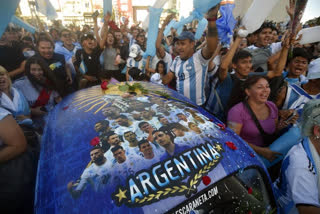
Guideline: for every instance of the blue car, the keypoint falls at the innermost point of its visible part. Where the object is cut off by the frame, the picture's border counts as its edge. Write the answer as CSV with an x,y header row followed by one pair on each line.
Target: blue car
x,y
139,147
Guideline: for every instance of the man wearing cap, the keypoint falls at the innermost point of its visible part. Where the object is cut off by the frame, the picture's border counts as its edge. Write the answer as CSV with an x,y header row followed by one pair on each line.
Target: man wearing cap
x,y
87,62
135,60
190,68
295,96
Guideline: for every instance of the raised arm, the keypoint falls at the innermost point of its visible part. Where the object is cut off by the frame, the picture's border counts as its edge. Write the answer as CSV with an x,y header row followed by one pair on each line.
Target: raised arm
x,y
96,29
104,31
148,69
212,35
159,47
225,63
289,40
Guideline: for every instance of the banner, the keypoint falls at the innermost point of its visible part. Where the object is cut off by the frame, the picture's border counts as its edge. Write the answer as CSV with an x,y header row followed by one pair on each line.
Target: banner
x,y
21,23
45,7
226,23
7,10
155,14
257,14
157,4
107,6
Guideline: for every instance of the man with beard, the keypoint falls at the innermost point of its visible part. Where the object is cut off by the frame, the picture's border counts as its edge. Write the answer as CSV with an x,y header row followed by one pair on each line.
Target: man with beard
x,y
97,174
124,125
149,115
56,63
131,137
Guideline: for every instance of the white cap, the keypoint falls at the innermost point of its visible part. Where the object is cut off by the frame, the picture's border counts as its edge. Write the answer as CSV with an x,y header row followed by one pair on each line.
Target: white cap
x,y
135,51
314,70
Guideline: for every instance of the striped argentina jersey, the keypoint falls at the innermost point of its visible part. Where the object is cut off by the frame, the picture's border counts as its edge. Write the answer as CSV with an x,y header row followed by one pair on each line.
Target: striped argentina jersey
x,y
297,97
191,76
132,63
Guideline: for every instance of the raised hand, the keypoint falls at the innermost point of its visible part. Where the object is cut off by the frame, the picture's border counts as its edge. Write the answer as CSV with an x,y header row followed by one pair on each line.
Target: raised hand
x,y
290,9
213,12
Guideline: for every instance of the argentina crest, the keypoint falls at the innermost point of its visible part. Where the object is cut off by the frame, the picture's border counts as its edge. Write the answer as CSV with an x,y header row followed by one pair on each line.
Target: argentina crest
x,y
176,176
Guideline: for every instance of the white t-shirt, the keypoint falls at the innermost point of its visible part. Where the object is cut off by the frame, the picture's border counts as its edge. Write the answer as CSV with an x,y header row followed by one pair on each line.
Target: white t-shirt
x,y
97,176
298,181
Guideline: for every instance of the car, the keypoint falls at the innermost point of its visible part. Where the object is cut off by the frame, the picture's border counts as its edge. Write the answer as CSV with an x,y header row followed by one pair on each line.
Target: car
x,y
140,147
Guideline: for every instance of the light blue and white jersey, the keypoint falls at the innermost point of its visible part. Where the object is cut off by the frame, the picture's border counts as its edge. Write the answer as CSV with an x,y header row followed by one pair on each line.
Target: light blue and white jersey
x,y
3,113
298,81
60,49
120,130
167,59
191,76
95,175
132,63
18,105
297,97
298,181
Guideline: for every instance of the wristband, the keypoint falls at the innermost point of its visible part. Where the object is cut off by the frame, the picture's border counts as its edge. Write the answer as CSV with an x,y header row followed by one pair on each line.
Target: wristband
x,y
212,19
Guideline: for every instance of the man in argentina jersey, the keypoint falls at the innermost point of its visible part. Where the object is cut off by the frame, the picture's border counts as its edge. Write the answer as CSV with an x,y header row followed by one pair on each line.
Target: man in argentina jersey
x,y
295,96
135,60
97,174
190,68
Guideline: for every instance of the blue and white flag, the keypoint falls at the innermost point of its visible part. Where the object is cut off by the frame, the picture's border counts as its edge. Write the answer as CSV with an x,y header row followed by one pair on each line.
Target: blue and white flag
x,y
7,10
45,7
226,23
23,24
107,6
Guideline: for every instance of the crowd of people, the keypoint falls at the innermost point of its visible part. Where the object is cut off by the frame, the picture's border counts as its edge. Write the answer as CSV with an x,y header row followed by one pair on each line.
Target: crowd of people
x,y
258,86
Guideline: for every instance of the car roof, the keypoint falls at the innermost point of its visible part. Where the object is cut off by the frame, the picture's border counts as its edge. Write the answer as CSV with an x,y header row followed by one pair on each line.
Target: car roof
x,y
70,180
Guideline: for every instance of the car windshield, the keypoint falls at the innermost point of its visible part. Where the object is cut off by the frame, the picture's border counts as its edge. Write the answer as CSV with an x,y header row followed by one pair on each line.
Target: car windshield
x,y
245,191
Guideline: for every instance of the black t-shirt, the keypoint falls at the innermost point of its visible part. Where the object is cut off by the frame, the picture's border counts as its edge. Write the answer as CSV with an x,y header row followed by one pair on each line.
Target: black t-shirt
x,y
11,57
57,64
92,61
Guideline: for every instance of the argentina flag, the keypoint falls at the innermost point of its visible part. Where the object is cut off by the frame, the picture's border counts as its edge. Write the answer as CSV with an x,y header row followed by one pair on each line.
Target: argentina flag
x,y
226,23
45,7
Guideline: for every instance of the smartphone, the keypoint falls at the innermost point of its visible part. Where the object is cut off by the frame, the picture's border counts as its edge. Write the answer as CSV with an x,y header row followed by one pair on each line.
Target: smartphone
x,y
291,116
95,14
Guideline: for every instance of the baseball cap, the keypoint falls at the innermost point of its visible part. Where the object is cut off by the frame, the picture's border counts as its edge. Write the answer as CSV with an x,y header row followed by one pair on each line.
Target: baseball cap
x,y
86,36
135,50
314,70
186,35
